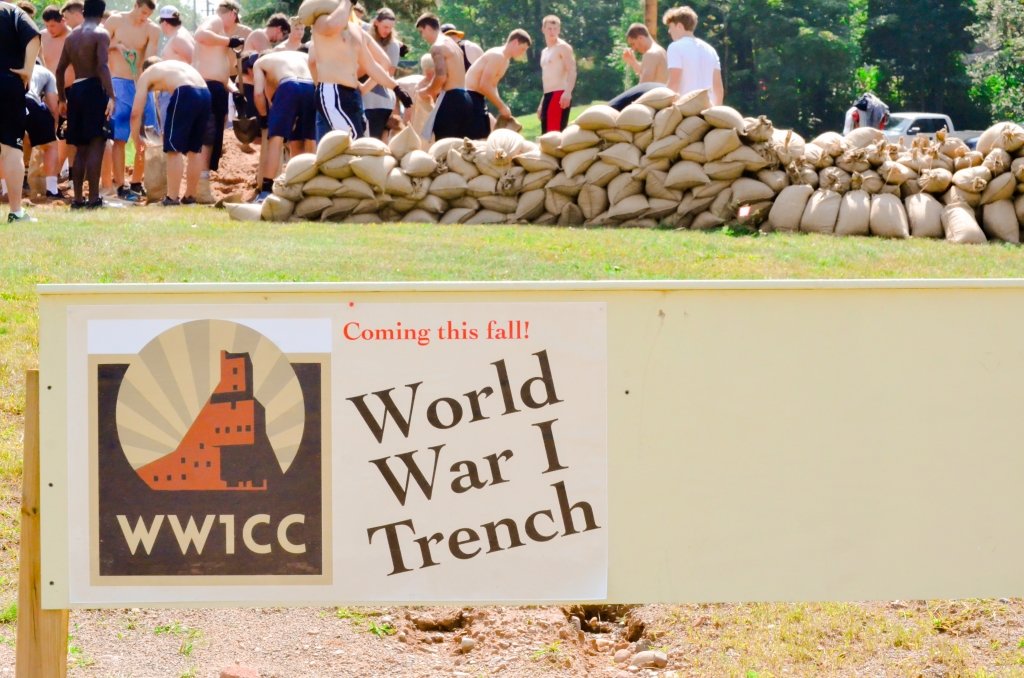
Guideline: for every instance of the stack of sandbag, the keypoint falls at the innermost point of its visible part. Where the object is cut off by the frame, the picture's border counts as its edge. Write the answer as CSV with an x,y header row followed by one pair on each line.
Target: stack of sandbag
x,y
673,162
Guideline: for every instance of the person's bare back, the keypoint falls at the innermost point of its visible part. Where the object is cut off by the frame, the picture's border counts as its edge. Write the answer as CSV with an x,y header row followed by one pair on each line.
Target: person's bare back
x,y
277,67
86,51
448,62
169,75
180,47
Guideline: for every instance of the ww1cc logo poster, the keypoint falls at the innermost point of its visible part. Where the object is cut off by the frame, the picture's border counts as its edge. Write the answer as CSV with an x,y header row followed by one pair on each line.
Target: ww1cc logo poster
x,y
351,451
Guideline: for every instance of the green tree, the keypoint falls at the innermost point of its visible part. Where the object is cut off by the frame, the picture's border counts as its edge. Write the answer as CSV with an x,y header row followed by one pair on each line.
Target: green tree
x,y
998,70
919,48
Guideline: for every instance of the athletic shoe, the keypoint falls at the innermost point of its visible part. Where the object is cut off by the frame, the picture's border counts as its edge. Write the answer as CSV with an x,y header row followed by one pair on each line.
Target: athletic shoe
x,y
95,204
127,194
137,188
188,200
261,196
78,204
170,202
24,218
56,195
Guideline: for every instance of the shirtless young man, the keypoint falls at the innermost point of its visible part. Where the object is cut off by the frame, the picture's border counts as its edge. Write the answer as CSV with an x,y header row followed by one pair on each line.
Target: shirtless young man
x,y
483,77
180,45
53,37
453,107
186,121
89,102
558,72
258,41
214,57
338,54
652,68
133,39
285,95
294,41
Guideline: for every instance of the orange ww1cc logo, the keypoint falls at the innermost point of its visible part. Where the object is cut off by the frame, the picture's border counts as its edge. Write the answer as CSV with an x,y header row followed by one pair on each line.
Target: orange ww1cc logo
x,y
210,457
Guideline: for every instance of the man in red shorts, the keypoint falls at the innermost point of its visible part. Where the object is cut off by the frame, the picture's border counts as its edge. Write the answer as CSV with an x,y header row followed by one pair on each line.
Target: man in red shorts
x,y
558,72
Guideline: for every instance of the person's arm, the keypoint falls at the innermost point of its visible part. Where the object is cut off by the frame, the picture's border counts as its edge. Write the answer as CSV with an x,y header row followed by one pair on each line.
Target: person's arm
x,y
630,58
212,33
717,89
62,66
433,86
259,88
51,103
103,69
489,88
372,68
570,76
312,63
138,107
336,20
152,42
649,67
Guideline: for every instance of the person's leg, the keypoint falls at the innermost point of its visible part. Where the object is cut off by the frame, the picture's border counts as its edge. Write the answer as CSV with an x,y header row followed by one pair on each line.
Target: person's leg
x,y
272,164
195,166
175,168
117,157
13,164
78,172
93,166
50,167
107,168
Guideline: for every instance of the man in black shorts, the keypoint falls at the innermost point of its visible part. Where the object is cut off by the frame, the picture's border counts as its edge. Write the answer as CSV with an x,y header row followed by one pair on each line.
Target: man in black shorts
x,y
41,124
19,46
89,102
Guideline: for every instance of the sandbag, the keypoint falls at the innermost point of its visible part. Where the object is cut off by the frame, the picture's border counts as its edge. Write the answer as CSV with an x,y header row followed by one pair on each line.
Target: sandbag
x,y
960,225
888,217
576,139
834,179
562,183
748,190
292,192
398,183
666,148
935,180
503,145
924,214
821,212
757,130
624,156
535,180
863,137
577,162
752,160
486,217
459,162
615,135
629,208
635,118
706,221
894,173
530,205
832,143
718,142
692,103
434,204
622,187
311,10
601,172
665,122
597,117
499,203
482,185
458,215
333,144
321,185
972,179
449,186
997,161
404,143
338,167
571,215
555,202
854,214
310,208
276,208
354,187
725,117
420,216
1001,187
722,170
654,187
999,222
694,152
774,179
536,161
155,178
551,143
692,129
658,98
789,207
1008,136
367,146
439,149
643,139
593,200
300,169
418,163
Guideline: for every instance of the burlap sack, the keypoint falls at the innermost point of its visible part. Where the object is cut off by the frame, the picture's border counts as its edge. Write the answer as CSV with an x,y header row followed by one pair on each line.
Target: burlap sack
x,y
721,170
706,221
398,183
555,202
752,160
333,144
665,122
420,216
694,152
536,161
834,179
692,103
660,208
367,146
1001,187
614,135
961,226
654,187
648,165
467,202
722,206
924,214
535,180
449,186
1008,136
1017,168
746,190
310,208
373,169
593,200
832,143
482,185
854,214
935,180
894,173
711,188
692,129
155,178
972,179
774,179
551,143
643,139
577,162
321,185
957,195
622,187
458,162
338,167
434,204
789,207
487,217
725,117
457,215
439,149
635,118
499,203
821,212
417,163
530,205
300,169
571,215
888,217
757,130
999,222
576,139
658,98
503,145
310,10
997,161
354,187
1018,207
562,183
788,145
597,117
624,156
867,181
666,148
691,205
718,142
630,207
601,172
276,208
404,143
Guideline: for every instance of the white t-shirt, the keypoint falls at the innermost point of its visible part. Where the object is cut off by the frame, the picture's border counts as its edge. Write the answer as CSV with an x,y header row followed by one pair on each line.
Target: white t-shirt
x,y
697,59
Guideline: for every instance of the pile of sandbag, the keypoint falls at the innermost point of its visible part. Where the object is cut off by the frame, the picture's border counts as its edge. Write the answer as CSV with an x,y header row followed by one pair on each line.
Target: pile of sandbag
x,y
673,162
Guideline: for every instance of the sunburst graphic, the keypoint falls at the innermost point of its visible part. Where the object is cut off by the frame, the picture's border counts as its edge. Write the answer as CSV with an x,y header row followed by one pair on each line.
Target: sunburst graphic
x,y
171,379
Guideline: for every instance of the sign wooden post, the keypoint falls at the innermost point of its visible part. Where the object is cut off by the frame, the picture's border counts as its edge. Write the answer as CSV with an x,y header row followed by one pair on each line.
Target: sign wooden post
x,y
42,634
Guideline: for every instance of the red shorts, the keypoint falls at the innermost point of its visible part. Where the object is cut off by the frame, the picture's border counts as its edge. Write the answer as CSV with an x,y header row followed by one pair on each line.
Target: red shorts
x,y
553,118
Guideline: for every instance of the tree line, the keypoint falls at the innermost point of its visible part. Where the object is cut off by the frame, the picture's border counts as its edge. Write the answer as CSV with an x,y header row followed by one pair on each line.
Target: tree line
x,y
799,62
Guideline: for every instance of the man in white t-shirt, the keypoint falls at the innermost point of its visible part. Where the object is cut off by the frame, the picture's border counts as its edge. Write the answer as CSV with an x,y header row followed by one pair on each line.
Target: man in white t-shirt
x,y
692,63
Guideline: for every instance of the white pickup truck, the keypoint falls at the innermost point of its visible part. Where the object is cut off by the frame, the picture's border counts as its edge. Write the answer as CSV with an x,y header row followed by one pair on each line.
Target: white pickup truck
x,y
909,125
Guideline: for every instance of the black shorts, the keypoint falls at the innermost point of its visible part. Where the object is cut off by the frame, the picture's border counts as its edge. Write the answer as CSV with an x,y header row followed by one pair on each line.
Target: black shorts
x,y
39,123
480,123
341,108
87,112
632,94
12,110
377,118
214,133
452,114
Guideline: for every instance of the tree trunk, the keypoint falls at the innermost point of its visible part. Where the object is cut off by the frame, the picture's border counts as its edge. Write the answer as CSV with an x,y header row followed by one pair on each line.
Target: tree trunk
x,y
651,17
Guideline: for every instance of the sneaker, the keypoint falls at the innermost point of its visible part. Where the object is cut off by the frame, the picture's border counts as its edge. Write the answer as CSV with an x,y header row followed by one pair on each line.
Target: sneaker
x,y
261,196
24,218
94,204
127,194
55,195
188,200
78,204
137,188
170,202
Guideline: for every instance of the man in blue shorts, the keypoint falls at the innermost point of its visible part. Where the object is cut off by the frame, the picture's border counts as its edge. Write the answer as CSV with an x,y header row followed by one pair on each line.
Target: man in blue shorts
x,y
187,114
283,79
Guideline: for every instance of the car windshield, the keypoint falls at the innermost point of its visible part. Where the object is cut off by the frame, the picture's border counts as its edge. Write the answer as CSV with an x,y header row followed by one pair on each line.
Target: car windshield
x,y
898,123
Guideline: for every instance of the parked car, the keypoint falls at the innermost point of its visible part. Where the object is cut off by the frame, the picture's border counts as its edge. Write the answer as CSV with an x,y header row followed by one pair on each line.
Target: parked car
x,y
909,125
